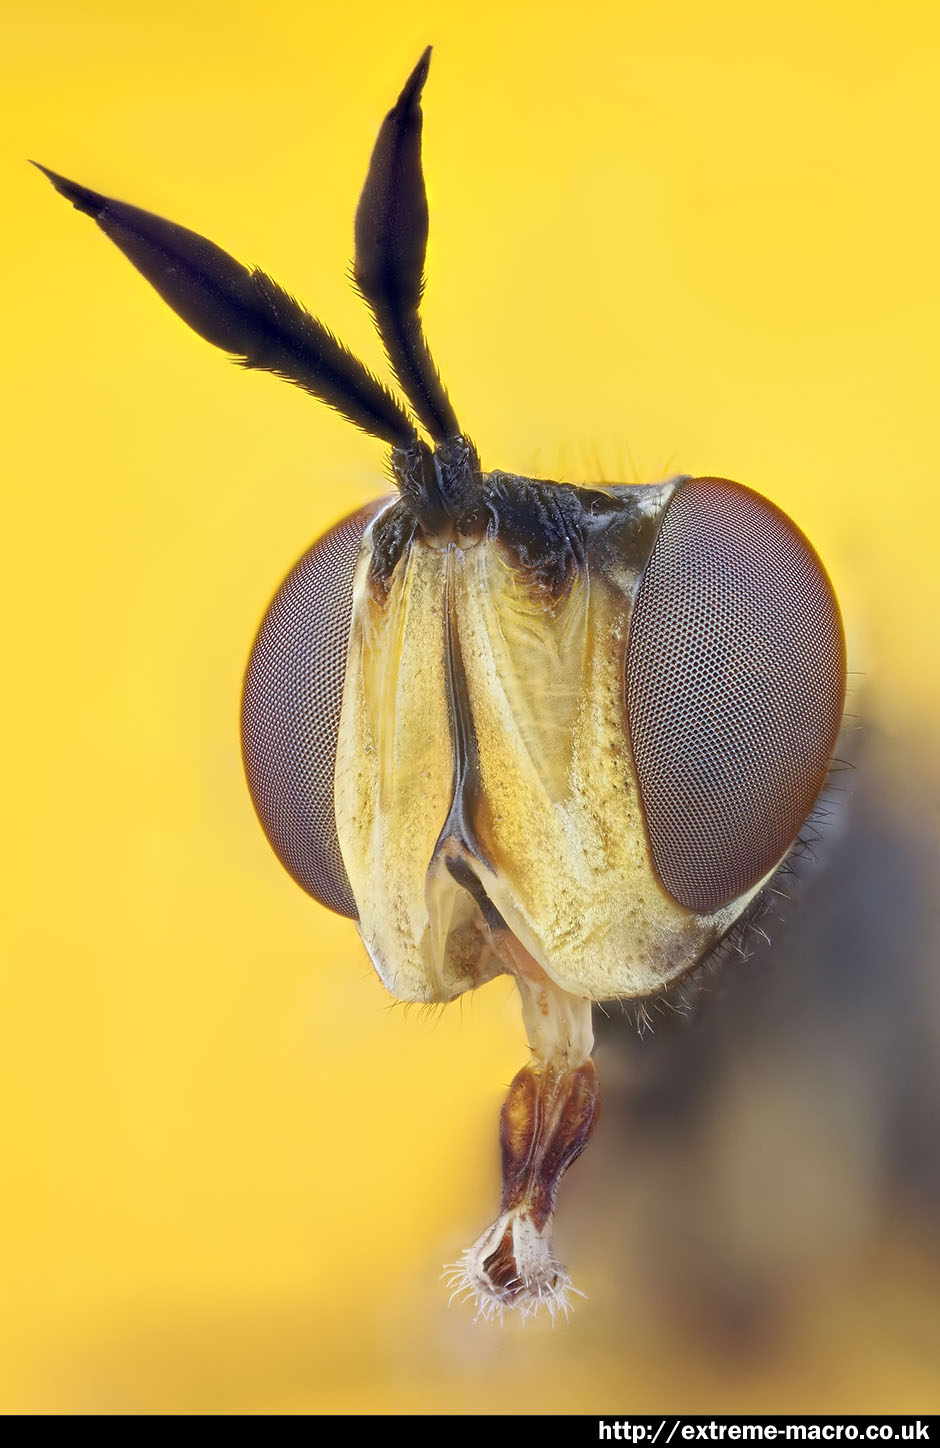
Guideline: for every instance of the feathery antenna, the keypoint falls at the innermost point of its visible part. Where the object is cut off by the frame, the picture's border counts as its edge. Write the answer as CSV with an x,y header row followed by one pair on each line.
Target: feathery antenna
x,y
244,312
391,243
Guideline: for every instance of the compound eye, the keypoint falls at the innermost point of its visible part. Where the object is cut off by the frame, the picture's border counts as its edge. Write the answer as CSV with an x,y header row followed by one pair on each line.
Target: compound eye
x,y
735,688
291,706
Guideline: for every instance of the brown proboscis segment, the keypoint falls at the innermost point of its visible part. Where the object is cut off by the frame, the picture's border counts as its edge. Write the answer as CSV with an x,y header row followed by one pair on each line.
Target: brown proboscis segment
x,y
546,1121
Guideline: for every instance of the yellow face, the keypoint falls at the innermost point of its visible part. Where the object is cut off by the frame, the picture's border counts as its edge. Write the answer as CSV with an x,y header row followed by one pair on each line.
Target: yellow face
x,y
459,650
601,738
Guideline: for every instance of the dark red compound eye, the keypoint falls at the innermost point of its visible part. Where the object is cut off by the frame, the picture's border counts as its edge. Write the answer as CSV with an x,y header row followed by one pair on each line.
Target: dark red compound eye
x,y
735,687
291,706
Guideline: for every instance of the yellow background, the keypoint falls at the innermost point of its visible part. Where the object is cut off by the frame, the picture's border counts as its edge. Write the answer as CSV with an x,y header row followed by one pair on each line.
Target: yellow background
x,y
664,237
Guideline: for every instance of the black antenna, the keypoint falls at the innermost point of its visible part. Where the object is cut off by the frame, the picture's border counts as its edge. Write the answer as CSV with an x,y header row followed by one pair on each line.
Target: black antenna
x,y
244,312
391,242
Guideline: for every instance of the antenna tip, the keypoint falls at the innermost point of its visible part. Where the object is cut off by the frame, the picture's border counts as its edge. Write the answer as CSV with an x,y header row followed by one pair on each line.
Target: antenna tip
x,y
81,198
414,85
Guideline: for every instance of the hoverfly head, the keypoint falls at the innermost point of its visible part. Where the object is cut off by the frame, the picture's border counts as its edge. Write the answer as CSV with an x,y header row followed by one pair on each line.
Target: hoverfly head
x,y
507,725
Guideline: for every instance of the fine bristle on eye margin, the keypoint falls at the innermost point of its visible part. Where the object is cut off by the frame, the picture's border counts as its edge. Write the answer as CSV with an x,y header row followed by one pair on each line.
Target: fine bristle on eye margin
x,y
735,690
